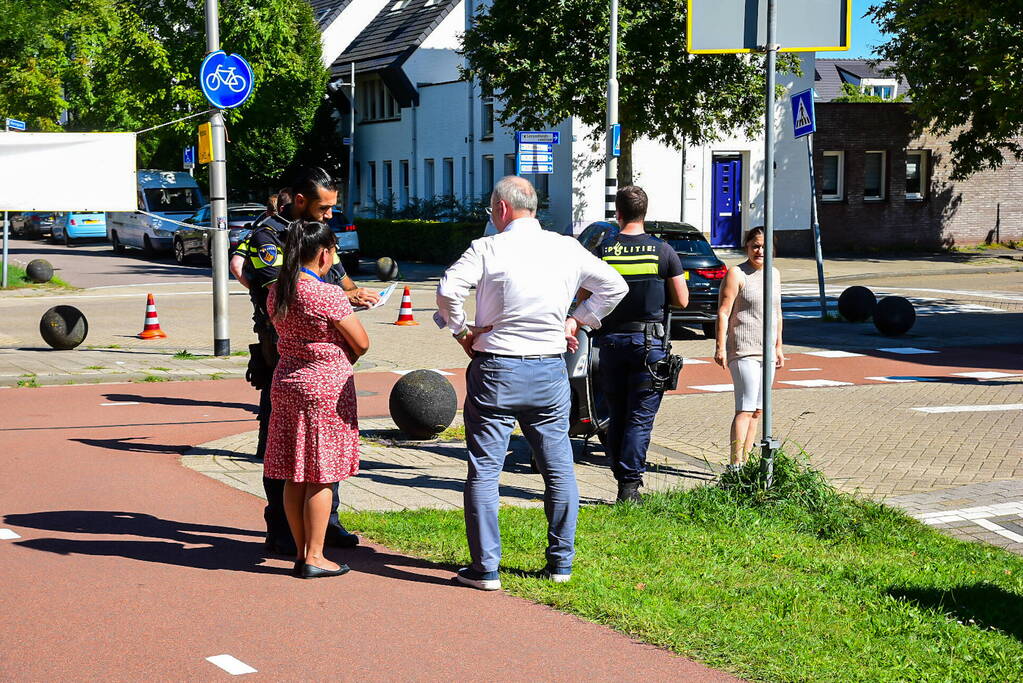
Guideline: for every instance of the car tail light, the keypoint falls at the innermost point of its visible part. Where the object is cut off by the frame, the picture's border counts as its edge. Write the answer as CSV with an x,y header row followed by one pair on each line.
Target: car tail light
x,y
73,221
713,273
349,228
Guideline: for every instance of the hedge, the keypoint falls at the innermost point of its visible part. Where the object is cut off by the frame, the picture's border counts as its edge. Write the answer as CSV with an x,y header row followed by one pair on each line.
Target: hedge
x,y
416,240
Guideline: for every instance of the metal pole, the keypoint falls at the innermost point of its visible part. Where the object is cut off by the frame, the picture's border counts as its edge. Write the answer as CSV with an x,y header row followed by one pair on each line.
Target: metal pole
x,y
815,224
218,204
7,225
470,138
611,161
769,445
350,204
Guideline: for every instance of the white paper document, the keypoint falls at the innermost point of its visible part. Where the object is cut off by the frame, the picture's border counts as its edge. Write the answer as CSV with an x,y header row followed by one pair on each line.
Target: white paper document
x,y
385,294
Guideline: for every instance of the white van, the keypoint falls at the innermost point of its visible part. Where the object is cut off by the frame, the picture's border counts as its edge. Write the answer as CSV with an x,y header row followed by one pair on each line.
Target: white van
x,y
167,194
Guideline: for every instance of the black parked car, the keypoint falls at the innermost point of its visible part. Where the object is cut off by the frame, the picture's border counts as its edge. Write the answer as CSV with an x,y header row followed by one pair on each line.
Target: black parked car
x,y
195,241
703,269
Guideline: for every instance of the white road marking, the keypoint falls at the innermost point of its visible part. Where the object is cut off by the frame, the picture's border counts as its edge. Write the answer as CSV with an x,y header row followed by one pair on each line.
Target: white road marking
x,y
970,409
714,387
1001,531
906,350
833,354
803,369
986,374
978,512
904,378
8,535
815,383
231,665
121,403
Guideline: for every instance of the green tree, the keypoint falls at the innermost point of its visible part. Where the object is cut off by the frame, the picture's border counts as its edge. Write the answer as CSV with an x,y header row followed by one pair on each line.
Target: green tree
x,y
131,64
964,62
664,92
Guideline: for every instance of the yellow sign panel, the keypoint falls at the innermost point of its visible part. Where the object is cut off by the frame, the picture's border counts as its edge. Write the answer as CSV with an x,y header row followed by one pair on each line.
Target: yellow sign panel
x,y
205,143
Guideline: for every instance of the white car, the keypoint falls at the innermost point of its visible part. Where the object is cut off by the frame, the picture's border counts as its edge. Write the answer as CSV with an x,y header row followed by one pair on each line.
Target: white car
x,y
166,198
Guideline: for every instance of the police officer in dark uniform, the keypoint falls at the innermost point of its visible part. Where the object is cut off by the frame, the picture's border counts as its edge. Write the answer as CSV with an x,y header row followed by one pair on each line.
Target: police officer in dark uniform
x,y
631,339
314,194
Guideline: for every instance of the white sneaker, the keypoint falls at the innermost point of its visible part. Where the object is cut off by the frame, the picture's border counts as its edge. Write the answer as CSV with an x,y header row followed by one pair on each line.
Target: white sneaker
x,y
484,581
557,575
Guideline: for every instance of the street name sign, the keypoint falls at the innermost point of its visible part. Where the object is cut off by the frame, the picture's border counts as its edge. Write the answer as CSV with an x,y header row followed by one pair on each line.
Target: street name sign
x,y
14,124
724,26
803,120
226,80
551,137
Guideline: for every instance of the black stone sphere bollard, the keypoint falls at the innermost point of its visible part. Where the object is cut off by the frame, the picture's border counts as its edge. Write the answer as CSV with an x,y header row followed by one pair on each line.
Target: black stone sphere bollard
x,y
39,270
63,327
423,404
387,269
894,315
856,304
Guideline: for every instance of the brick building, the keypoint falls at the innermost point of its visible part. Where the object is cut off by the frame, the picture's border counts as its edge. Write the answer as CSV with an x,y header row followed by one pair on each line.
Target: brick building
x,y
880,188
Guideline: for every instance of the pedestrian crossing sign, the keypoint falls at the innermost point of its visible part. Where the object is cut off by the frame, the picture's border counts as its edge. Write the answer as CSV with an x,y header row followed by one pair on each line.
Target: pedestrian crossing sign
x,y
803,121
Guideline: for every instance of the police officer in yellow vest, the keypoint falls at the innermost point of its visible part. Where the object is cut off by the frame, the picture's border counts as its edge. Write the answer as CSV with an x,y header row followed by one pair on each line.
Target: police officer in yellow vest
x,y
314,194
631,338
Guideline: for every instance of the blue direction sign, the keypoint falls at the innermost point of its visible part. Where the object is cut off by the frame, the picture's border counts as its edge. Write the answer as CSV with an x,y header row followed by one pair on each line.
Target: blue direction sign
x,y
14,124
188,157
226,79
616,140
550,137
534,157
803,121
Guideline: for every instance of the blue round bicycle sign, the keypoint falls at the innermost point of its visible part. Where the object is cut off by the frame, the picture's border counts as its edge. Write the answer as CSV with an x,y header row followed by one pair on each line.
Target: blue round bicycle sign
x,y
226,79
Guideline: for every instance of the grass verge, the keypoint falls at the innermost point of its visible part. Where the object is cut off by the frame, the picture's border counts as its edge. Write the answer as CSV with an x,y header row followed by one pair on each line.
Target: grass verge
x,y
796,583
18,279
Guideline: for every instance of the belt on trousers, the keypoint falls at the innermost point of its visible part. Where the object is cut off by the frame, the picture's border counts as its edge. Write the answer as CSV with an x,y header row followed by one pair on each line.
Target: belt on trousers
x,y
487,354
656,329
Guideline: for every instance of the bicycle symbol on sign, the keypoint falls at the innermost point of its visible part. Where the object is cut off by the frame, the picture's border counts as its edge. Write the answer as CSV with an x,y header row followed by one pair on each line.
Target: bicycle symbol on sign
x,y
226,76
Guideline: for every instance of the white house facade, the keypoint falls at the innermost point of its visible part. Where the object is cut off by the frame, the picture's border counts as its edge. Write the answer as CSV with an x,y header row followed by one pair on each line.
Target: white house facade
x,y
414,137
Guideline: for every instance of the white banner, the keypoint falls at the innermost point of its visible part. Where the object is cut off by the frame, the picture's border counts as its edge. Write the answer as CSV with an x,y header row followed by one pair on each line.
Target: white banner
x,y
67,172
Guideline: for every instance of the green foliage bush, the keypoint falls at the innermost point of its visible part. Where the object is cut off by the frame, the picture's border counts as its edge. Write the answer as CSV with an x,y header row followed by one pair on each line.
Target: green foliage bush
x,y
416,240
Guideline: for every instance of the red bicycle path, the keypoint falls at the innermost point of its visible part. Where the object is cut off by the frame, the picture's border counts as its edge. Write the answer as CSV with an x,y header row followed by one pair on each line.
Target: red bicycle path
x,y
132,567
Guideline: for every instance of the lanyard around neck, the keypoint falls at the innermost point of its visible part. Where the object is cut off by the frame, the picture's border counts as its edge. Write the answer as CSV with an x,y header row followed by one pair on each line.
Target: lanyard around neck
x,y
309,272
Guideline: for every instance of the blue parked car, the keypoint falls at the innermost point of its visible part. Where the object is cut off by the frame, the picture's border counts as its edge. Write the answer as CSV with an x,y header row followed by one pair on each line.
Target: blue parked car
x,y
75,225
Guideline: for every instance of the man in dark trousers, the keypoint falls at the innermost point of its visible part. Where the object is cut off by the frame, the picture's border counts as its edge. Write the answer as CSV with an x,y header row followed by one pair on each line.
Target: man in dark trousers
x,y
631,338
314,195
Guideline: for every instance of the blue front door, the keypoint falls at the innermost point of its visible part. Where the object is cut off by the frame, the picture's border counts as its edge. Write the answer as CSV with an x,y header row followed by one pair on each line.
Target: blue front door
x,y
726,202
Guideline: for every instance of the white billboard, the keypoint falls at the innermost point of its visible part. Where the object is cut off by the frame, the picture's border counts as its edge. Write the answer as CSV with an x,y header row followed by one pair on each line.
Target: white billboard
x,y
67,172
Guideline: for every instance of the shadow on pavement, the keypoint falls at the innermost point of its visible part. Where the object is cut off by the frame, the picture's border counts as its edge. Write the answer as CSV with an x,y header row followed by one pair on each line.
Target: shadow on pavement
x,y
382,563
127,444
982,605
172,547
181,401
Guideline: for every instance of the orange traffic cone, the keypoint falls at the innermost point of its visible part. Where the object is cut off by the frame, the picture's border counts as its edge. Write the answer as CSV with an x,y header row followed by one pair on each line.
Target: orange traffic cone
x,y
151,330
405,312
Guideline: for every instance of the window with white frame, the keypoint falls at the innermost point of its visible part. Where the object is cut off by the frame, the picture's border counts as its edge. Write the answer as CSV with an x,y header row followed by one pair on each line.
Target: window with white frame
x,y
832,176
873,175
487,184
487,114
916,173
465,176
375,102
428,187
509,164
404,170
388,183
885,88
371,173
448,178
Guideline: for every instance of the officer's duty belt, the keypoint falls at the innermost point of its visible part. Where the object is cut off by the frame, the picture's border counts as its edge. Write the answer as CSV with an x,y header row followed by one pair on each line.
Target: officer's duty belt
x,y
654,329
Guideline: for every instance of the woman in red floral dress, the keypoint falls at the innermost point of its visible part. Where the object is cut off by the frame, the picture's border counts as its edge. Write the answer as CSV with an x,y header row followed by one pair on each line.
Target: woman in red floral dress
x,y
314,434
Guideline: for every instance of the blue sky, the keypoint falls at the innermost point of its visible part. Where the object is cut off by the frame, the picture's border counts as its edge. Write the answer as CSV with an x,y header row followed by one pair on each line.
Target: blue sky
x,y
864,35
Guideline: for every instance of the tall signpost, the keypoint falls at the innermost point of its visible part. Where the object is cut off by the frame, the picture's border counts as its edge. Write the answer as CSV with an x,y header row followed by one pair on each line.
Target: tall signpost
x,y
9,125
227,82
733,26
611,159
804,124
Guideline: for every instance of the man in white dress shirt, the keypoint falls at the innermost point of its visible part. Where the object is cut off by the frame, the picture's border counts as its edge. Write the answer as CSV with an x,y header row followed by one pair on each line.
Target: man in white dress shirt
x,y
525,279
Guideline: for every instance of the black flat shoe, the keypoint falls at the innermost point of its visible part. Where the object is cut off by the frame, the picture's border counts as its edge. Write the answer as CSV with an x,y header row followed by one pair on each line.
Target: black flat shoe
x,y
313,572
297,569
